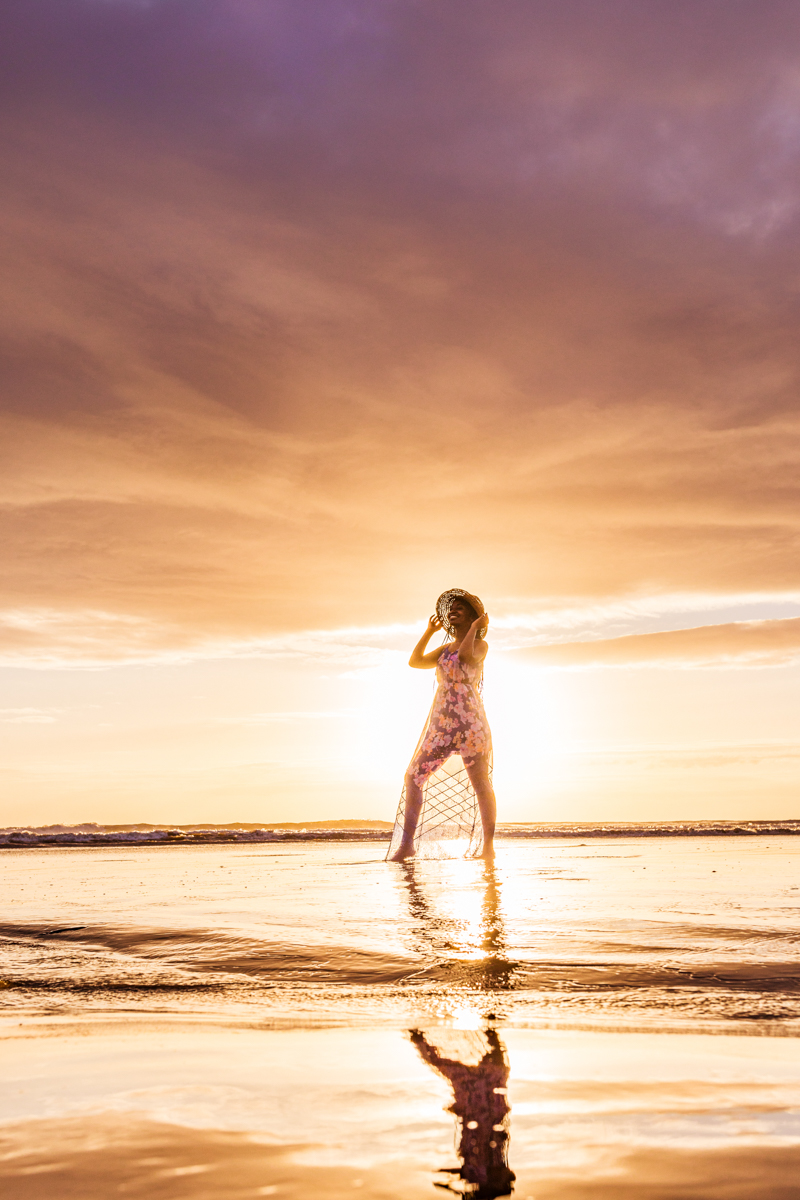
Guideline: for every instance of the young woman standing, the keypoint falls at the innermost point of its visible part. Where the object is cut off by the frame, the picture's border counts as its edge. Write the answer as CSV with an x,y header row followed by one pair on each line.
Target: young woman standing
x,y
456,725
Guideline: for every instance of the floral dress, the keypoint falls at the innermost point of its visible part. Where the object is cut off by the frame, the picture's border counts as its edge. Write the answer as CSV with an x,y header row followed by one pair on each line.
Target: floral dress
x,y
457,721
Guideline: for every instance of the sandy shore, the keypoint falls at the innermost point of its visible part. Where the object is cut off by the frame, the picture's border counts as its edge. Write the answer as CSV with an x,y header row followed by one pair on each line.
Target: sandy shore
x,y
174,1108
614,1020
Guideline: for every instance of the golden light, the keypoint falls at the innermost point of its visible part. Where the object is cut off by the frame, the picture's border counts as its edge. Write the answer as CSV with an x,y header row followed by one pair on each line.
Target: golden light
x,y
529,717
531,731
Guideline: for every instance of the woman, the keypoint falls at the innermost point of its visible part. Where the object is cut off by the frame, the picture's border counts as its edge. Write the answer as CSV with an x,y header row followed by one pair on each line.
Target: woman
x,y
456,725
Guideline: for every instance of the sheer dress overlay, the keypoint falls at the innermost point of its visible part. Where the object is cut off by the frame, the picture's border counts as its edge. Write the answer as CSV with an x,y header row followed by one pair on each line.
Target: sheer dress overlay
x,y
456,735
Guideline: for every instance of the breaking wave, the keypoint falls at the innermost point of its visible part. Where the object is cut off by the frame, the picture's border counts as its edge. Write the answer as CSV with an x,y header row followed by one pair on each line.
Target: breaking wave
x,y
374,831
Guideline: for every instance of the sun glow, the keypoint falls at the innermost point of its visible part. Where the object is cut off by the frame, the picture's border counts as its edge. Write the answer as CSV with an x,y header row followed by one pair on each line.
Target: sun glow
x,y
467,1017
530,725
531,732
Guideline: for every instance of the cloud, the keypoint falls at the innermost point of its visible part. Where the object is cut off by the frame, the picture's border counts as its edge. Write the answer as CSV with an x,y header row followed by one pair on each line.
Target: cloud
x,y
270,718
27,716
741,643
94,638
311,311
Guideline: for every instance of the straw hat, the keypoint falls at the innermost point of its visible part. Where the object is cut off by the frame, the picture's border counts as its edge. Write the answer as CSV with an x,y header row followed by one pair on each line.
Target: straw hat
x,y
443,607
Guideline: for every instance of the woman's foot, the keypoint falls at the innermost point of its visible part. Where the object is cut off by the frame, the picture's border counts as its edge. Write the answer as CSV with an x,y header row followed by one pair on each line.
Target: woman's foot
x,y
404,850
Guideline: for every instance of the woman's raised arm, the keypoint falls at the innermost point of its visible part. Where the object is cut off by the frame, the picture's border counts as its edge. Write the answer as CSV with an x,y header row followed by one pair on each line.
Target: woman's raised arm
x,y
418,656
471,651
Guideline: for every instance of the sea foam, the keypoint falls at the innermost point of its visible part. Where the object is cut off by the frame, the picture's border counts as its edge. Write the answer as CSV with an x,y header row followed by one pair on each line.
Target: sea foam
x,y
90,834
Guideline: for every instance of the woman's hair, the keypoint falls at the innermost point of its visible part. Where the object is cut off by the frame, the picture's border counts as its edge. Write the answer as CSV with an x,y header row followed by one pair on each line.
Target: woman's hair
x,y
443,607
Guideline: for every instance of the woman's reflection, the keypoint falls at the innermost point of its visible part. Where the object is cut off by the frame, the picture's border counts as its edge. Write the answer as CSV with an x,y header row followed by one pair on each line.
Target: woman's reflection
x,y
476,1067
474,1063
492,971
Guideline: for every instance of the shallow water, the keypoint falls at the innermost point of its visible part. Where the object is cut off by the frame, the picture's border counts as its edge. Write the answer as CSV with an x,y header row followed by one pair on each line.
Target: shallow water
x,y
688,932
218,1021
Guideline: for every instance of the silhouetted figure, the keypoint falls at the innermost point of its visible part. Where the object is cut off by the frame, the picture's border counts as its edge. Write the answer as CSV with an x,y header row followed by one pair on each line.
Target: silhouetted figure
x,y
437,816
480,1104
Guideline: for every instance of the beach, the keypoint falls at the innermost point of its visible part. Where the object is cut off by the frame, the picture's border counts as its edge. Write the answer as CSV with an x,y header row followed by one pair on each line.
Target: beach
x,y
401,446
303,1018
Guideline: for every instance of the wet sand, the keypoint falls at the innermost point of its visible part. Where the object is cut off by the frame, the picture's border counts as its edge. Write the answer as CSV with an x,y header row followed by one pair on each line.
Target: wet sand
x,y
224,1022
183,1109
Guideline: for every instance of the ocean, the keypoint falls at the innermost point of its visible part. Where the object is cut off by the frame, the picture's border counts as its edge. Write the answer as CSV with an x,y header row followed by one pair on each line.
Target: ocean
x,y
604,1011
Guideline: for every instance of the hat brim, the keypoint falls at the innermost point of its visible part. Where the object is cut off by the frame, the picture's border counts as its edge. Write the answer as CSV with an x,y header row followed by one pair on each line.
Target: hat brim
x,y
443,604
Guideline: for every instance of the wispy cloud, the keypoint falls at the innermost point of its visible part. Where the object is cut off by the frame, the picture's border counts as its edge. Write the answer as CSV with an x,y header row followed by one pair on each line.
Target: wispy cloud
x,y
270,718
27,716
742,643
346,303
635,628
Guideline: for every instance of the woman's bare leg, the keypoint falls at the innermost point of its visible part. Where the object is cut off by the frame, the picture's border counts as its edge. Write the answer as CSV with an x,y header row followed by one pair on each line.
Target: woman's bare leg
x,y
478,772
412,810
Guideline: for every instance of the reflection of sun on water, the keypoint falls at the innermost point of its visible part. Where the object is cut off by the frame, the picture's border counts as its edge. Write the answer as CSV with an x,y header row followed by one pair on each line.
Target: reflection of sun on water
x,y
466,1016
461,905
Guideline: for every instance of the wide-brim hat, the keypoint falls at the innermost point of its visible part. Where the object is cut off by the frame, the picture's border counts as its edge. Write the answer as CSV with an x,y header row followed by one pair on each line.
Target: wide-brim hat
x,y
443,607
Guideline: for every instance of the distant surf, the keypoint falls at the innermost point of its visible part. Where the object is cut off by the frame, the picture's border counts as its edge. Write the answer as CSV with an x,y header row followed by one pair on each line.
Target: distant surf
x,y
90,834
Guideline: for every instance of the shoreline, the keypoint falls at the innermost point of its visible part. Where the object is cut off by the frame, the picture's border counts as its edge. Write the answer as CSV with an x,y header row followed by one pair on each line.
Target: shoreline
x,y
16,838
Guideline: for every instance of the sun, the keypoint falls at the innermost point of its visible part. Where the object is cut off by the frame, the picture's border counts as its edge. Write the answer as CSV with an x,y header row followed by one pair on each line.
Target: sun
x,y
529,722
531,730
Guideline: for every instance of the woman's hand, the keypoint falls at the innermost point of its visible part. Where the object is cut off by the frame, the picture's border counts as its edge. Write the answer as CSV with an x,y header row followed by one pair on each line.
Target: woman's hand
x,y
418,656
481,622
471,649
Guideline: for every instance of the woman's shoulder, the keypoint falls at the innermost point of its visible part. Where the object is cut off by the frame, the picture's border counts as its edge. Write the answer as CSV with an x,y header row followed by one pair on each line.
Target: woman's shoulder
x,y
475,662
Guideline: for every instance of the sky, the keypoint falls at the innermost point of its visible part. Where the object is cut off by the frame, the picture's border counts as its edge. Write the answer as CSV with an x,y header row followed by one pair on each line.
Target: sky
x,y
312,311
